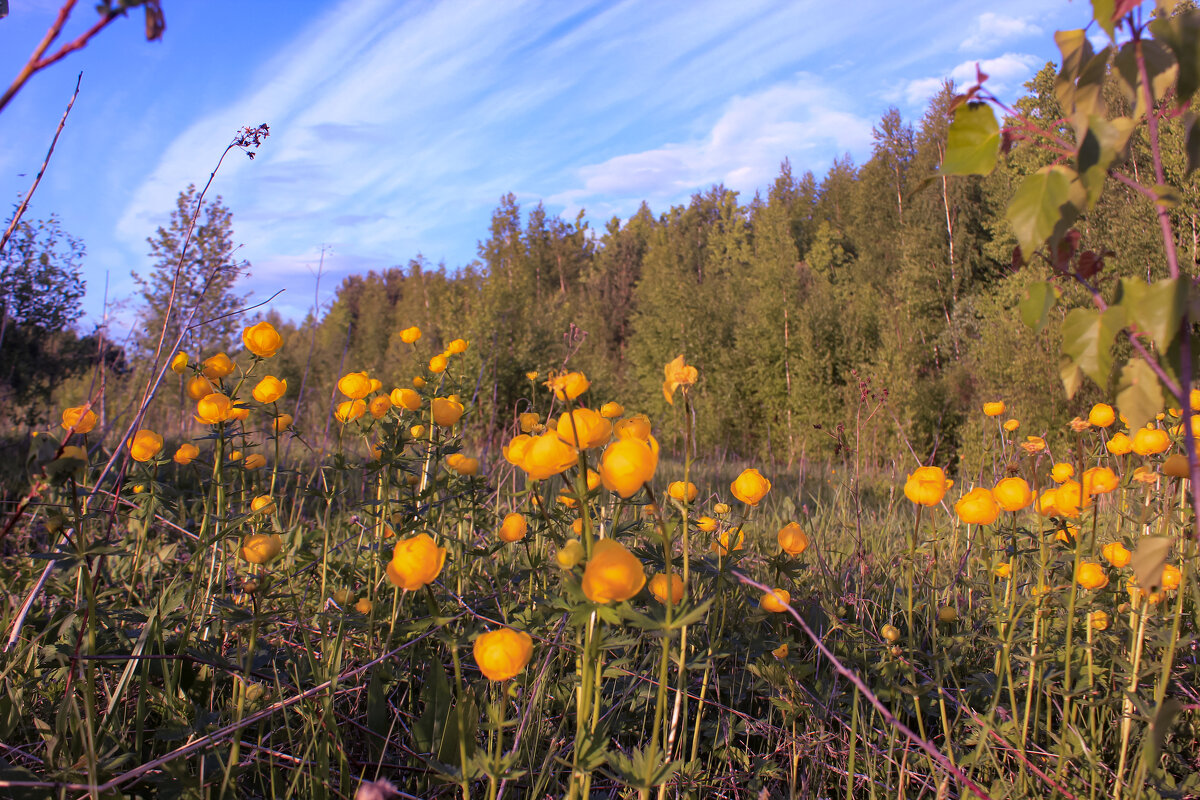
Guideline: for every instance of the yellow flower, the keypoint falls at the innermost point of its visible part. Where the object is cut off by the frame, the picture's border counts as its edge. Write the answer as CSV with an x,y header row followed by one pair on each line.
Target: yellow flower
x,y
416,561
255,461
684,493
1013,494
145,445
1145,476
1033,445
438,363
72,452
1045,503
457,346
781,651
179,363
1176,465
198,386
1102,415
464,465
514,451
750,487
446,412
355,385
236,455
658,588
927,486
527,421
635,427
259,548
407,399
269,389
1151,441
417,431
264,503
706,524
217,367
977,507
410,336
1098,619
1011,425
567,385
512,529
1069,499
350,410
418,382
1099,480
532,375
1171,577
994,409
890,632
1119,445
262,340
593,429
792,539
1062,472
722,547
503,653
775,601
1116,554
79,419
1003,570
379,406
1091,575
186,453
239,413
612,573
626,465
721,508
363,606
676,374
282,423
569,554
547,455
1079,425
612,410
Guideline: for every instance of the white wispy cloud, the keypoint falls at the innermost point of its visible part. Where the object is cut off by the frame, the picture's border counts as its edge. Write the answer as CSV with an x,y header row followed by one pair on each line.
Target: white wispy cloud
x,y
1005,74
991,30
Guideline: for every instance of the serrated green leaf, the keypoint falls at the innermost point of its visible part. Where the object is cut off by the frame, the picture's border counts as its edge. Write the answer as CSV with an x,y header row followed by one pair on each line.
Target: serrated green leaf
x,y
1181,33
1040,297
1156,308
973,142
1139,394
1045,206
1101,144
1087,339
1160,66
1102,12
1148,560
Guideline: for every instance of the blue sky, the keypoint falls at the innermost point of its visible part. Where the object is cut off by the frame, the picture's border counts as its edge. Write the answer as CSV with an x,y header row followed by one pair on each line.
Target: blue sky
x,y
396,126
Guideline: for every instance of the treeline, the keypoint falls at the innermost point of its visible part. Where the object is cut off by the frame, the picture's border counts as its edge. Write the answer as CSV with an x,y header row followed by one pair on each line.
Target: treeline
x,y
873,307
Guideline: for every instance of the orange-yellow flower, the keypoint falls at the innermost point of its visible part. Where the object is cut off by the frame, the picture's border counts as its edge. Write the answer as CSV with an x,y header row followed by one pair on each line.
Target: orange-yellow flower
x,y
792,539
676,374
282,423
1116,554
418,382
379,406
198,386
1171,577
658,588
416,561
410,335
1176,465
706,524
438,363
457,346
1033,445
1011,425
355,385
683,492
1102,415
635,427
994,409
217,367
255,461
446,412
1119,445
179,363
626,465
569,554
512,529
269,389
977,507
79,419
1151,441
612,573
1098,619
501,654
750,487
262,340
546,455
722,545
239,413
145,445
775,601
186,453
514,451
611,410
463,465
593,429
350,410
407,399
1099,480
1069,499
1091,575
259,548
1062,472
1013,494
567,385
927,486
1003,570
264,503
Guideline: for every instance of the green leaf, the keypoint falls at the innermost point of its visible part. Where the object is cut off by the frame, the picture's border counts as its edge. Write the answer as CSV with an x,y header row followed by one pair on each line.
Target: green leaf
x,y
1167,196
1156,308
1040,297
1088,336
1045,205
1139,394
1102,12
1076,53
1160,66
973,142
1148,560
1071,376
1164,716
1101,144
1181,33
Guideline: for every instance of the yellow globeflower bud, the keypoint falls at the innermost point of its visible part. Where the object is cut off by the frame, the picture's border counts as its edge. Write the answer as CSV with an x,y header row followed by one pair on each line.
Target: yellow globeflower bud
x,y
406,399
350,410
262,339
179,363
721,508
947,615
1176,465
706,524
612,573
1011,425
792,539
79,419
269,389
502,654
1098,619
994,409
282,423
457,346
446,412
438,364
592,429
627,464
683,492
417,431
569,554
364,606
927,486
1116,554
255,461
750,487
1013,494
416,561
198,386
1119,445
379,406
186,453
1102,415
512,529
775,601
259,548
1091,575
1003,570
1062,472
658,588
418,382
611,410
410,336
145,445
355,385
217,367
890,632
1151,441
264,503
977,507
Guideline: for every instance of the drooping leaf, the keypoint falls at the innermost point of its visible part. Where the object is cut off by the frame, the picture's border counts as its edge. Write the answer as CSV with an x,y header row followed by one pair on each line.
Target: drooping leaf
x,y
1100,145
1102,12
1148,560
1040,297
1160,66
1156,308
1076,53
1045,206
973,142
1087,339
1139,393
1181,33
1070,374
